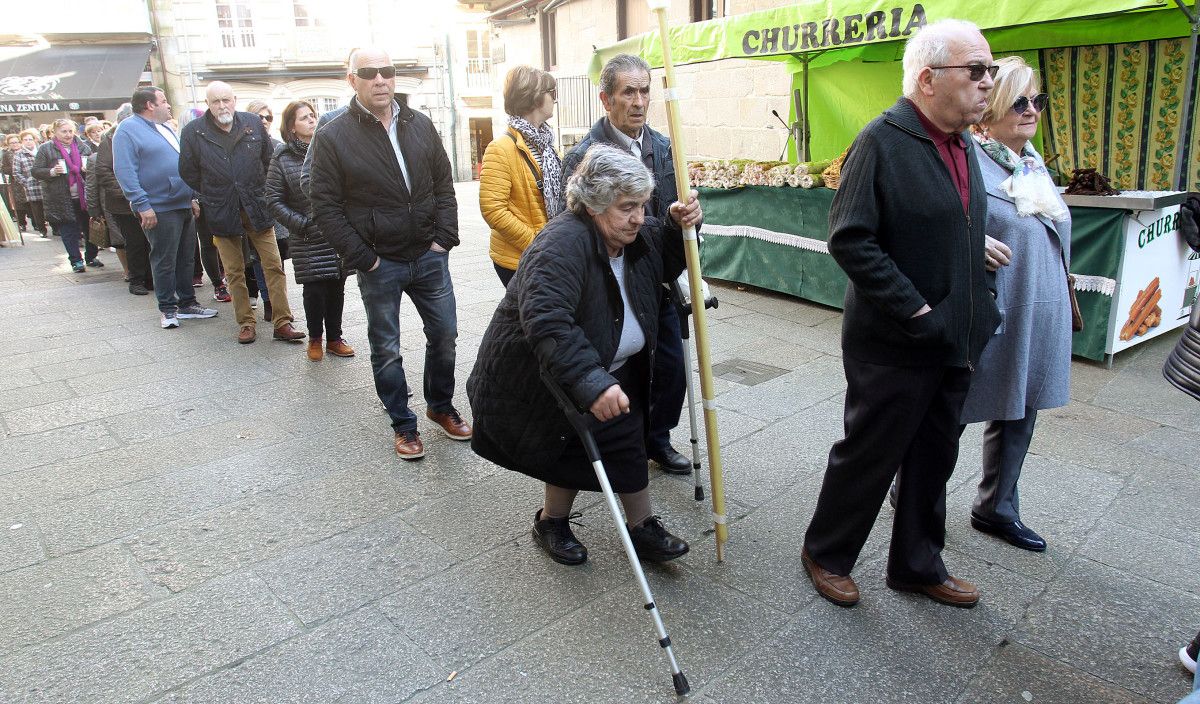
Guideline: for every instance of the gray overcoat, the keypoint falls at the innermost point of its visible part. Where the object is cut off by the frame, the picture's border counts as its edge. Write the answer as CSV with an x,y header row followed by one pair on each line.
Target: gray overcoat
x,y
1027,363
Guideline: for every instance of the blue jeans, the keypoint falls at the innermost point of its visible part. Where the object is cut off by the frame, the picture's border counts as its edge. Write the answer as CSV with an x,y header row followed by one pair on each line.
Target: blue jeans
x,y
426,280
72,232
172,256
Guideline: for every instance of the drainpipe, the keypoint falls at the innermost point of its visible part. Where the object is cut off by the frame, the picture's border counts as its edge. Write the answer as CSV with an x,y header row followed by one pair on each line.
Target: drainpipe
x,y
453,112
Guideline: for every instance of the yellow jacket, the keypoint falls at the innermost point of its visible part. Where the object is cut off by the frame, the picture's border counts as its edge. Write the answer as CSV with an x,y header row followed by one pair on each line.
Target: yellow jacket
x,y
511,203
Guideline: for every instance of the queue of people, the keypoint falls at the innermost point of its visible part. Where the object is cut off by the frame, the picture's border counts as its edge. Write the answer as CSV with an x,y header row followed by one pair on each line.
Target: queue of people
x,y
958,309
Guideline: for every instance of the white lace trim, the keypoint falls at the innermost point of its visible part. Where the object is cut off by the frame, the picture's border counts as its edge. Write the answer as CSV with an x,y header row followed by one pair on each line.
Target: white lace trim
x,y
1095,284
757,233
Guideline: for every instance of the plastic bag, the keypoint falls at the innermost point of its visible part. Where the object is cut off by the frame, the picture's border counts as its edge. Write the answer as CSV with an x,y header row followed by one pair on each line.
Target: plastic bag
x,y
1033,191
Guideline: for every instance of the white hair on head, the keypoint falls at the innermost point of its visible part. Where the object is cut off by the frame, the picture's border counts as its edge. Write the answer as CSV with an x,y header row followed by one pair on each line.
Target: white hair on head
x,y
931,46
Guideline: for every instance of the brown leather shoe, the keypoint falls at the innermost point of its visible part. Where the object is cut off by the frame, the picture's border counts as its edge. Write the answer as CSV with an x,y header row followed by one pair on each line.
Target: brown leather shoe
x,y
339,348
315,353
409,445
837,588
287,333
954,591
247,334
452,424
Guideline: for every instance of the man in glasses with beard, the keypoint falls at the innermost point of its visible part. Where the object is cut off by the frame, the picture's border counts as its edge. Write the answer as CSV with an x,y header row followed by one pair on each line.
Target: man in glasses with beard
x,y
383,195
224,157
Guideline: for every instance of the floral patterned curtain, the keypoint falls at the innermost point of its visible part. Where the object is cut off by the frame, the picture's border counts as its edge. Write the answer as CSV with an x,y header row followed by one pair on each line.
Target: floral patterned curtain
x,y
1116,108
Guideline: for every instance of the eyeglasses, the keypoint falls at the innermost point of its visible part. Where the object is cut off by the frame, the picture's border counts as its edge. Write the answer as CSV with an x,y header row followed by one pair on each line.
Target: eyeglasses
x,y
1039,101
977,70
368,73
553,94
267,118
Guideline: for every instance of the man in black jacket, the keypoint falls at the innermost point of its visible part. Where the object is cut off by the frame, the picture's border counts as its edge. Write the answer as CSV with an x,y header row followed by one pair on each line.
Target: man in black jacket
x,y
224,157
383,195
907,226
112,201
625,93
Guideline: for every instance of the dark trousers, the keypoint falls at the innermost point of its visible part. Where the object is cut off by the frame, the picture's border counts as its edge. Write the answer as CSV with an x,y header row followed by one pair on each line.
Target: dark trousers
x,y
1005,445
75,232
668,387
895,416
504,274
137,249
206,258
37,213
323,301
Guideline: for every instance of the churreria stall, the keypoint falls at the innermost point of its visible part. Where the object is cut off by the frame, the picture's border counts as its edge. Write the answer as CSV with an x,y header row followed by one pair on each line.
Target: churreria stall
x,y
1120,75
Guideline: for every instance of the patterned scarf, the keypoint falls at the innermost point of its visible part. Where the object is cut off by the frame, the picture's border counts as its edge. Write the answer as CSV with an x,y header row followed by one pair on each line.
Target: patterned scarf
x,y
74,171
1041,200
541,143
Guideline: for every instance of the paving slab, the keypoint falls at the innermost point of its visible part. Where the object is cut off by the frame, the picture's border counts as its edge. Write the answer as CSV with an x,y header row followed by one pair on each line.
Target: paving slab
x,y
20,544
1020,674
59,596
145,653
358,658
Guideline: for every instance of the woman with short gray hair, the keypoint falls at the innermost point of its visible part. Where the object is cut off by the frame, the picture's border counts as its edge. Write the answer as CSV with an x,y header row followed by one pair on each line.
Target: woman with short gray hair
x,y
583,306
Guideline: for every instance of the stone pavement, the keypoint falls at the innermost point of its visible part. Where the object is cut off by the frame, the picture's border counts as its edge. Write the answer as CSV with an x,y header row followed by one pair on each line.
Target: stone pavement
x,y
184,519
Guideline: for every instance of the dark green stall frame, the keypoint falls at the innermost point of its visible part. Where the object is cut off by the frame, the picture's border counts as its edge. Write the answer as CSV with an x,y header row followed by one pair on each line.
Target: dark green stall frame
x,y
774,238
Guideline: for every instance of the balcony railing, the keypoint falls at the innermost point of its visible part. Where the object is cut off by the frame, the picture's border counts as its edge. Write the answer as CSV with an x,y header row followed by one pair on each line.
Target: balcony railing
x,y
578,103
479,74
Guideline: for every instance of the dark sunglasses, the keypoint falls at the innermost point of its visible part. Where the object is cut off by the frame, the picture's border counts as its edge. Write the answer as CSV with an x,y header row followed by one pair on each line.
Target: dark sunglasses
x,y
368,73
1040,101
977,70
267,118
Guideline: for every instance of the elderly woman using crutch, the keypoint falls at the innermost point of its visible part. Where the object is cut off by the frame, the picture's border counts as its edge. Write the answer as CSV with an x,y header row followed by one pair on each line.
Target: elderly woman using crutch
x,y
583,305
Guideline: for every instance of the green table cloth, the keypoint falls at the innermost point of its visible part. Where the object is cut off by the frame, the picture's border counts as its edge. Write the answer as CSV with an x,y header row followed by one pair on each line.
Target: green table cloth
x,y
775,238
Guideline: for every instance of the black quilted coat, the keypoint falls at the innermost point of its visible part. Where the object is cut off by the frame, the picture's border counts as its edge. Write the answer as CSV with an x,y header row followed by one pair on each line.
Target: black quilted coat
x,y
312,257
563,309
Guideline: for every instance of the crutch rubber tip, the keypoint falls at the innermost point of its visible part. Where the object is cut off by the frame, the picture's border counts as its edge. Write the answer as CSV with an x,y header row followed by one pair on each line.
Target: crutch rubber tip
x,y
699,493
681,683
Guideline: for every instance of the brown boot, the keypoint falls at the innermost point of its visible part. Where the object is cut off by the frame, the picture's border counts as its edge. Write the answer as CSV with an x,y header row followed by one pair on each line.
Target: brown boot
x,y
315,353
339,348
287,333
247,334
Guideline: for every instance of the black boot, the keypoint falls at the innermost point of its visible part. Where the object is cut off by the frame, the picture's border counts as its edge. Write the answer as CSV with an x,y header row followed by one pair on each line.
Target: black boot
x,y
556,538
654,544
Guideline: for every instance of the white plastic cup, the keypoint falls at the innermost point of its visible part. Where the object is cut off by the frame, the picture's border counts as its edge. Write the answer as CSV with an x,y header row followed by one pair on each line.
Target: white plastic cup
x,y
62,164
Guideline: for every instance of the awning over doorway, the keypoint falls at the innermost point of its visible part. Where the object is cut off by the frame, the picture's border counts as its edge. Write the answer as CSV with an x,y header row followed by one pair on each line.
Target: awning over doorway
x,y
71,78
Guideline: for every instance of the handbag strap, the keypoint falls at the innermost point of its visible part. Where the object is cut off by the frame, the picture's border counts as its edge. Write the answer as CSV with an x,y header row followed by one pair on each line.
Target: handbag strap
x,y
528,162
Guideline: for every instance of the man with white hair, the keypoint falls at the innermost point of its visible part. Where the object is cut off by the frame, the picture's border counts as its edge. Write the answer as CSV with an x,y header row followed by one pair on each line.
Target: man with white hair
x,y
383,195
224,157
907,226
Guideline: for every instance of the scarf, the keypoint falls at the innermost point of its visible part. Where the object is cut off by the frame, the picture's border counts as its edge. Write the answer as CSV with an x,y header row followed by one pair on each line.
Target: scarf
x,y
299,146
1030,185
541,143
74,171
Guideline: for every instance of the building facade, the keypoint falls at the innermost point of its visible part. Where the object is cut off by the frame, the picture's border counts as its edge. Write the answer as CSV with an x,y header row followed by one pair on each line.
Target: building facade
x,y
725,106
279,51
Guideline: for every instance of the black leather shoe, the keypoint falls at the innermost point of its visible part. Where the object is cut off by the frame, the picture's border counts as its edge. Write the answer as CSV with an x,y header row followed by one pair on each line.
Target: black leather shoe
x,y
654,544
556,538
671,461
1015,533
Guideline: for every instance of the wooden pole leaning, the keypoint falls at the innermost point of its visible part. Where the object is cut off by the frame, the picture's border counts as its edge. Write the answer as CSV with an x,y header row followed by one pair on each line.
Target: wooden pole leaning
x,y
692,254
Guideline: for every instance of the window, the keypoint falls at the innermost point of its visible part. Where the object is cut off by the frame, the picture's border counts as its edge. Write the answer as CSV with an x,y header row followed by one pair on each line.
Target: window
x,y
304,15
479,59
324,105
549,41
233,19
704,10
633,18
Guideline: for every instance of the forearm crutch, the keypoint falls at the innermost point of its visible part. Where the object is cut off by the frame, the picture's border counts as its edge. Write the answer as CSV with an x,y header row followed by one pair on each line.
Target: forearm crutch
x,y
683,306
581,421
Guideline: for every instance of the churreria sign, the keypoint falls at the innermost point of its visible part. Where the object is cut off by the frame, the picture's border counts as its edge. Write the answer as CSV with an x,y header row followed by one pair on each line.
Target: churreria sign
x,y
833,32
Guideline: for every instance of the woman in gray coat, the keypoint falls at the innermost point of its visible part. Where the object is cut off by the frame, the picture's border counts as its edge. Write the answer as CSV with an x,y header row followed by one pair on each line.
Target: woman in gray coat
x,y
1026,366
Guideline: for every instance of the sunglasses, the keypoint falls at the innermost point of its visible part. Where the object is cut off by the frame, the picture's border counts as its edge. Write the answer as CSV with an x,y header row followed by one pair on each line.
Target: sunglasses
x,y
267,118
368,73
977,70
1039,101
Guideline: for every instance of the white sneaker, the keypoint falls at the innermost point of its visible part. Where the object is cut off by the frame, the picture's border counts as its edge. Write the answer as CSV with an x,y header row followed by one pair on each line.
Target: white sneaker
x,y
254,301
196,310
169,320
